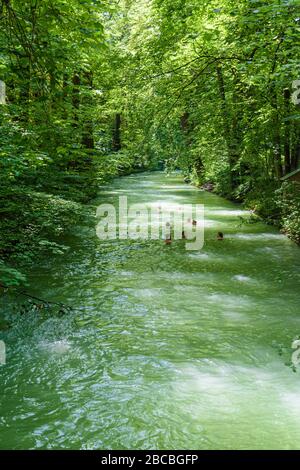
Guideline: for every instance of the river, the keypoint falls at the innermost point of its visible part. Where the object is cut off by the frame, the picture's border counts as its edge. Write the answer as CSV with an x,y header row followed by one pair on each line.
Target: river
x,y
166,348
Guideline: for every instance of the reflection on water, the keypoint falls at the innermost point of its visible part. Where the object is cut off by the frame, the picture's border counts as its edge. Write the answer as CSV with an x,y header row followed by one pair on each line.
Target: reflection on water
x,y
165,348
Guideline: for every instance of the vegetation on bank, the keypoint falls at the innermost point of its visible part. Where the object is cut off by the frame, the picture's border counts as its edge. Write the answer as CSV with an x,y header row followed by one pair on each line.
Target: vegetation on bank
x,y
95,89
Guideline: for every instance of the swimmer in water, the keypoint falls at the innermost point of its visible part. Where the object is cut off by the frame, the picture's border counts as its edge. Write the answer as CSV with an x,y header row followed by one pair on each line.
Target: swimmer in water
x,y
220,236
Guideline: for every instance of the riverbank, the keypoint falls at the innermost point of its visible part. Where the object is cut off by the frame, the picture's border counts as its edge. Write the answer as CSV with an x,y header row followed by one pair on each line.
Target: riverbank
x,y
40,209
274,203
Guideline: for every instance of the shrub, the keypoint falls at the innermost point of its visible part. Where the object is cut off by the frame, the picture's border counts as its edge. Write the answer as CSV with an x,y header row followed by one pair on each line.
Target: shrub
x,y
288,200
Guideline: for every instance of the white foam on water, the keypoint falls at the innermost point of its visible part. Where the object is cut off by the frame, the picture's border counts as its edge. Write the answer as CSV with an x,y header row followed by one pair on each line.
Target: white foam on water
x,y
209,223
231,387
230,301
145,293
201,256
257,236
146,183
172,187
108,193
206,389
269,251
291,400
242,278
235,316
229,212
56,347
126,273
240,401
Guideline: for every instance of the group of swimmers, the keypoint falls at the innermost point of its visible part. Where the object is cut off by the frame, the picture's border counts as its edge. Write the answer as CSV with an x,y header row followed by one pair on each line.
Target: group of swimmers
x,y
194,223
168,240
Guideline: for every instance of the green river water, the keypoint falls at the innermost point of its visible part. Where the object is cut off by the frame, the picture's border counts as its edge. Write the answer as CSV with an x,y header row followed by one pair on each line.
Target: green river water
x,y
166,348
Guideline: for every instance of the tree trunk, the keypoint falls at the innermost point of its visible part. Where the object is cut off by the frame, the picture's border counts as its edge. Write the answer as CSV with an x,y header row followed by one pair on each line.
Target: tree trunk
x,y
88,128
76,98
295,151
184,122
287,137
65,96
277,164
227,130
116,144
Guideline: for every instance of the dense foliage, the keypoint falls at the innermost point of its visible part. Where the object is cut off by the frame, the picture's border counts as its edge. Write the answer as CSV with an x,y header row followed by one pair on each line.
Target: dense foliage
x,y
98,88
